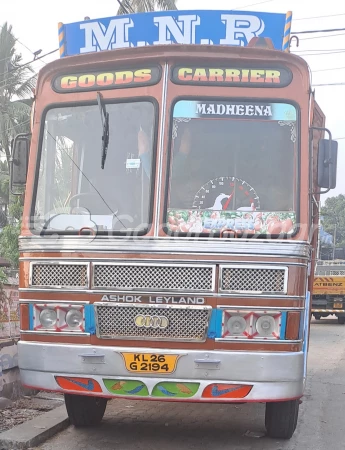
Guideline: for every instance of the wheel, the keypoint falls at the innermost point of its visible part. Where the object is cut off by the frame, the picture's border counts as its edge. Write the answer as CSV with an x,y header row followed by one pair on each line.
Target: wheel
x,y
341,320
317,316
281,419
84,411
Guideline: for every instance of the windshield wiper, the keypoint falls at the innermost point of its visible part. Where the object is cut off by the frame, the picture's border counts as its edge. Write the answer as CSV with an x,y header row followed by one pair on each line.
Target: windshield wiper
x,y
105,123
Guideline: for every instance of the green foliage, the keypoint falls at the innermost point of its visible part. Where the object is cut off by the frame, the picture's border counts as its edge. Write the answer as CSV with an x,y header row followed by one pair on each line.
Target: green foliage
x,y
146,6
4,191
3,278
333,214
16,207
9,244
16,81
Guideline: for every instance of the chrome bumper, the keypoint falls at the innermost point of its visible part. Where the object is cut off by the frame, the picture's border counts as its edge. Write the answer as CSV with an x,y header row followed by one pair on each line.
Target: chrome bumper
x,y
273,376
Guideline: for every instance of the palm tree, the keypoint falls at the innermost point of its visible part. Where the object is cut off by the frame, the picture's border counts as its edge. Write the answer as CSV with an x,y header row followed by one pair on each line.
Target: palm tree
x,y
4,190
137,6
16,83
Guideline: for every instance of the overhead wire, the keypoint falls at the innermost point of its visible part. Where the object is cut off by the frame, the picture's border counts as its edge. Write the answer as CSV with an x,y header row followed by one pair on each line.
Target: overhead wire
x,y
21,43
29,62
330,30
330,68
319,17
330,84
252,4
6,84
330,50
16,125
321,53
322,37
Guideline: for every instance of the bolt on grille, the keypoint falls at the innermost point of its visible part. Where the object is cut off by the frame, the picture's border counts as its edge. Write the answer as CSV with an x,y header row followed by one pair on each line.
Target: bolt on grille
x,y
252,280
60,275
185,324
153,277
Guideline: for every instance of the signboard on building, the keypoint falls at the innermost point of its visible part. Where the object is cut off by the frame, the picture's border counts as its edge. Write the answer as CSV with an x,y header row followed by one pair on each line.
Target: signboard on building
x,y
233,28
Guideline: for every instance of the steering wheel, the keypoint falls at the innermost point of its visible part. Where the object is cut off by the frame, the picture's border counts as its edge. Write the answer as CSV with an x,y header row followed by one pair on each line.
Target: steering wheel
x,y
81,195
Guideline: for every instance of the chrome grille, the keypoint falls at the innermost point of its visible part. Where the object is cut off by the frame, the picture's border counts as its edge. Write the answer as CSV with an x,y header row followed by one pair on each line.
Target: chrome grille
x,y
60,275
154,277
253,280
185,323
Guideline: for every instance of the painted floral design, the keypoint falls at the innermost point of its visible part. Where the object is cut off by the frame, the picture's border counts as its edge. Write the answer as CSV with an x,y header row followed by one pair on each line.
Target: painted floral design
x,y
247,222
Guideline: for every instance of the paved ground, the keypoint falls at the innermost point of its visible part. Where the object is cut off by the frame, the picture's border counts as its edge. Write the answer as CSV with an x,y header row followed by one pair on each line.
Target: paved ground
x,y
130,425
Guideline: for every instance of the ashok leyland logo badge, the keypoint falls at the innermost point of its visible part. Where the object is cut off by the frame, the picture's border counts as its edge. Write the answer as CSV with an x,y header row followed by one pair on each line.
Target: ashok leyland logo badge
x,y
147,321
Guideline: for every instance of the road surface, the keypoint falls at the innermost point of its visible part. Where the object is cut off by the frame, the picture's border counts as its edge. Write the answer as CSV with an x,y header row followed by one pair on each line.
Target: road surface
x,y
131,425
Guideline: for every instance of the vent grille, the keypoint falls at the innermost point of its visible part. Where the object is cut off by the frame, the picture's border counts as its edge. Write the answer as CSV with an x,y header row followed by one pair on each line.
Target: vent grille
x,y
154,277
186,324
60,275
253,280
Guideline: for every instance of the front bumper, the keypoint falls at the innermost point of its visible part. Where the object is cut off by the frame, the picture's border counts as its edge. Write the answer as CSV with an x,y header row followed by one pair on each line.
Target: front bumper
x,y
333,305
91,370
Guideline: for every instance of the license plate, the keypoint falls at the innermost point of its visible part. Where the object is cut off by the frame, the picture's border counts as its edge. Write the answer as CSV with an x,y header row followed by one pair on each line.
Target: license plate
x,y
150,362
338,305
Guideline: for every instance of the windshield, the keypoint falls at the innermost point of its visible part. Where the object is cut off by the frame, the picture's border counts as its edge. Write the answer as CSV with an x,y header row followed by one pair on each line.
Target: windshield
x,y
233,166
73,191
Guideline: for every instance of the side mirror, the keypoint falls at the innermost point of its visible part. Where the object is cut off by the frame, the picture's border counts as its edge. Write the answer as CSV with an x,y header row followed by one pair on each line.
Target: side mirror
x,y
327,164
19,162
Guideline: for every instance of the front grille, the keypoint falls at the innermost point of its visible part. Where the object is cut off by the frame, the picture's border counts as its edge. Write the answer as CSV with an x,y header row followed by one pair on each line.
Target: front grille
x,y
154,277
184,323
253,280
60,275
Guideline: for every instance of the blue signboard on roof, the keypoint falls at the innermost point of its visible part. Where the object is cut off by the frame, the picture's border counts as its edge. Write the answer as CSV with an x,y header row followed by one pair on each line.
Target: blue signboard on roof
x,y
233,28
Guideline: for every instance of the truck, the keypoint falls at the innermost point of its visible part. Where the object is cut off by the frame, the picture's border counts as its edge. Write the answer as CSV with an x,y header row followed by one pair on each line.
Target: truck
x,y
172,181
328,296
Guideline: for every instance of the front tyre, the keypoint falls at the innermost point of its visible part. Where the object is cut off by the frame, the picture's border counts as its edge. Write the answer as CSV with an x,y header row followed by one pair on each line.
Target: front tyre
x,y
281,419
85,411
341,320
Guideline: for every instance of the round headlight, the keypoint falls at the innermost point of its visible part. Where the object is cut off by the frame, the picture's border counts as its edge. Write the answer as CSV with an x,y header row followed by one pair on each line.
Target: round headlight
x,y
265,325
74,318
237,325
48,317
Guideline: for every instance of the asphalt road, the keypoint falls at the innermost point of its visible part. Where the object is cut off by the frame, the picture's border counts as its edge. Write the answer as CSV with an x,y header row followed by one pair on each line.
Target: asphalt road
x,y
131,425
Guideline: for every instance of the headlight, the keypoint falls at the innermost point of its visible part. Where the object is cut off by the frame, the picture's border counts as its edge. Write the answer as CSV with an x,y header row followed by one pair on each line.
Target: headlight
x,y
253,324
74,318
265,325
236,325
48,317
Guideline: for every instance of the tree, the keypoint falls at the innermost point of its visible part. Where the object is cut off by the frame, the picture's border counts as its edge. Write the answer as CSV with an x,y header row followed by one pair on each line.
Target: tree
x,y
9,244
16,82
138,6
333,218
4,192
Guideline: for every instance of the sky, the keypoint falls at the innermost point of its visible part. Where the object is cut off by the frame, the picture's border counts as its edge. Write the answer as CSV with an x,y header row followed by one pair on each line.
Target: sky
x,y
35,24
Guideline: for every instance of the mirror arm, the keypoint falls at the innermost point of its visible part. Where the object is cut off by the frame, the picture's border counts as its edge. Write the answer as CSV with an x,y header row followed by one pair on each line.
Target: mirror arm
x,y
329,157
